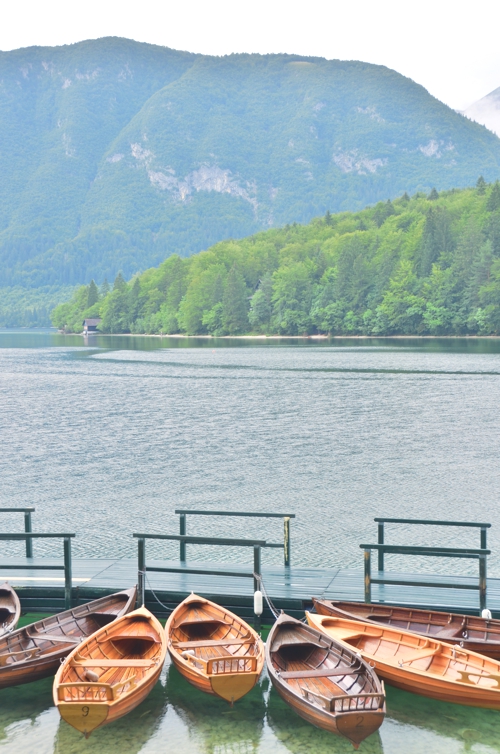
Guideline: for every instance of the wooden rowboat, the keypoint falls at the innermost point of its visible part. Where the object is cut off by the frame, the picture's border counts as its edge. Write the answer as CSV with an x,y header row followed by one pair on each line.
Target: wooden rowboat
x,y
111,672
325,682
470,632
421,665
10,609
35,651
214,649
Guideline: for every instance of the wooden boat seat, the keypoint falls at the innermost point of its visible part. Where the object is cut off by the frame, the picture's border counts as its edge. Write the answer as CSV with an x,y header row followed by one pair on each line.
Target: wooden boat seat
x,y
319,672
56,637
84,663
149,637
211,643
449,633
277,645
422,654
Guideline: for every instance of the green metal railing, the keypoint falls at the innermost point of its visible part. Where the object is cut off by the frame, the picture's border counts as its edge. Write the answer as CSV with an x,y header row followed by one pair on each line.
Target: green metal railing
x,y
68,578
27,525
425,522
286,527
257,544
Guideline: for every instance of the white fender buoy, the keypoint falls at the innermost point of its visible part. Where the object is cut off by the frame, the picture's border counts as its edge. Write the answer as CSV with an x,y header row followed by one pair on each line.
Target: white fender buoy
x,y
258,606
486,614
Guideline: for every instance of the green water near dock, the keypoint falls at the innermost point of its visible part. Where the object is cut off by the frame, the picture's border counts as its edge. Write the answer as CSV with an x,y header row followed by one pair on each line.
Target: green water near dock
x,y
178,719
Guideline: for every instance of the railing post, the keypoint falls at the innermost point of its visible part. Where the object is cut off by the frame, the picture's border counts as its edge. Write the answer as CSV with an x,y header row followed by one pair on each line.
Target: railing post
x,y
182,531
368,577
141,573
27,529
68,578
286,540
256,568
483,538
482,582
381,542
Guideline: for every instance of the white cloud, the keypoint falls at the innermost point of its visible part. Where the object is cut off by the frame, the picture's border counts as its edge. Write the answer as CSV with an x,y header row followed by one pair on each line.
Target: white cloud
x,y
447,46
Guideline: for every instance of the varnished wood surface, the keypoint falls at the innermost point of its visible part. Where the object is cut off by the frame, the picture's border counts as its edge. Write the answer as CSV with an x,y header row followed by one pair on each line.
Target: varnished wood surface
x,y
325,682
214,649
421,665
35,651
470,632
10,609
111,672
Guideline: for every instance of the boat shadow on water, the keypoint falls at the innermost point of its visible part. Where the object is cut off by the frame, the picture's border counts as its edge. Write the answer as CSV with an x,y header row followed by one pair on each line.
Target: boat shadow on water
x,y
467,725
217,727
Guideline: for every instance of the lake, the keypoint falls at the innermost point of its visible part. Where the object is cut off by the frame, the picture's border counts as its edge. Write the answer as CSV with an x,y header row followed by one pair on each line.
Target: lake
x,y
110,435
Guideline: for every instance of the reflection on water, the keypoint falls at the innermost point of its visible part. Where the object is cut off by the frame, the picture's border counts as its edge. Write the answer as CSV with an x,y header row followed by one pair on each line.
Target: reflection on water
x,y
178,719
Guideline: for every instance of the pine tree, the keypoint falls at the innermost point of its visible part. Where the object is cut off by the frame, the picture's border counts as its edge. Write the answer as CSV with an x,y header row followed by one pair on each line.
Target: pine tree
x,y
405,197
93,294
119,283
493,202
105,289
481,185
328,218
433,195
235,303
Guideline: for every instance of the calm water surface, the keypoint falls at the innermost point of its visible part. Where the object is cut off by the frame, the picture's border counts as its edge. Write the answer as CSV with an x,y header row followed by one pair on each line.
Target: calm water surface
x,y
108,436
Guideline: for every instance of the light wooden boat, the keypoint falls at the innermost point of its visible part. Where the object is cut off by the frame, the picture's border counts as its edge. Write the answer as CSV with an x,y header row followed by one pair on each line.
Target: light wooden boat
x,y
421,665
470,632
111,672
214,649
35,651
10,609
325,682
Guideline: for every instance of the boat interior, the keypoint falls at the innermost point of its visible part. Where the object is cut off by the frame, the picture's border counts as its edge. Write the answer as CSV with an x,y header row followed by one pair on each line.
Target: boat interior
x,y
320,673
418,653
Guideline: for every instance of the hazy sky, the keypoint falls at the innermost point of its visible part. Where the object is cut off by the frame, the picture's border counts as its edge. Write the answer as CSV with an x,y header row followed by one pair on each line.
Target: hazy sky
x,y
449,46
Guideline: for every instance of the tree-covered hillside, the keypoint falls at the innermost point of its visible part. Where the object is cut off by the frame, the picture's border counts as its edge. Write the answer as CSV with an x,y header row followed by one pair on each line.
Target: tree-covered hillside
x,y
425,265
115,154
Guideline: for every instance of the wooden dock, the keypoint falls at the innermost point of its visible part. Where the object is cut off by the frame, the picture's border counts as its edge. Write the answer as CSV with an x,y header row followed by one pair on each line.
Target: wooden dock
x,y
289,588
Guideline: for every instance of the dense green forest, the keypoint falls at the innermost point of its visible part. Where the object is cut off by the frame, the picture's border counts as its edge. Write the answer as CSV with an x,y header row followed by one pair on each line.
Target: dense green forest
x,y
31,307
429,264
116,154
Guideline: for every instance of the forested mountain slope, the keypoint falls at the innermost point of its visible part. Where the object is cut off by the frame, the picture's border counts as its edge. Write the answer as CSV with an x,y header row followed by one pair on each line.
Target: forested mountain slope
x,y
115,154
425,265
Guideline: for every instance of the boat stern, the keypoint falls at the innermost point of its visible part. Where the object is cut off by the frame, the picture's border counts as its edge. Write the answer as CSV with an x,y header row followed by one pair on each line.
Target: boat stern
x,y
85,717
233,678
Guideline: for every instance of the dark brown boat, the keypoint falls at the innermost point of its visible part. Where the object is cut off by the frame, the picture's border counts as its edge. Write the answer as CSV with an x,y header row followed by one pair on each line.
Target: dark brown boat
x,y
475,634
35,651
10,609
326,683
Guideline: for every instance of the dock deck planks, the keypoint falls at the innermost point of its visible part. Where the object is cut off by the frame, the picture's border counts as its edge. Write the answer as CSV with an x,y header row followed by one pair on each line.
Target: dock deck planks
x,y
289,589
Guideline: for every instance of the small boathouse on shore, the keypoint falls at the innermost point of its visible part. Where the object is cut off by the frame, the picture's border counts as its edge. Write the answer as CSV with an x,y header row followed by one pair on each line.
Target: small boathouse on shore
x,y
91,325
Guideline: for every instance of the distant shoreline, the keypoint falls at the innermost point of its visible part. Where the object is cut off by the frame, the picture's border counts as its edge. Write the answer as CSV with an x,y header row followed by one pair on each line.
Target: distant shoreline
x,y
288,337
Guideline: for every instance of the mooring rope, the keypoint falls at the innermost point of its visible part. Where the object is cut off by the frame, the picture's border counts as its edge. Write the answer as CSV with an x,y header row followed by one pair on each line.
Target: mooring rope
x,y
272,607
168,609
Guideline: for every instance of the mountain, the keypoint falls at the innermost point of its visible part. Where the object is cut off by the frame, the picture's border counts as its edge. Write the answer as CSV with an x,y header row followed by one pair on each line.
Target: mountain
x,y
425,265
115,154
487,111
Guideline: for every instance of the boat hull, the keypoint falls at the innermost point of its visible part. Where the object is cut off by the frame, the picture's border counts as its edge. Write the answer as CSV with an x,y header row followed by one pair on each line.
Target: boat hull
x,y
129,655
422,666
353,727
10,609
227,658
325,683
470,632
26,656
